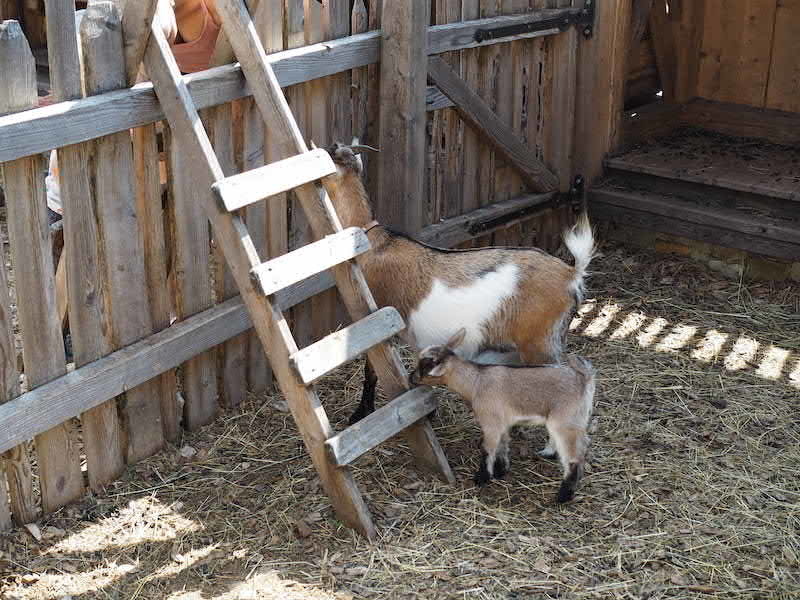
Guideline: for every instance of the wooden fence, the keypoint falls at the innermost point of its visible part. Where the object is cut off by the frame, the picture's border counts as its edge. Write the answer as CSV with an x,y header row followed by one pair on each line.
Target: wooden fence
x,y
151,307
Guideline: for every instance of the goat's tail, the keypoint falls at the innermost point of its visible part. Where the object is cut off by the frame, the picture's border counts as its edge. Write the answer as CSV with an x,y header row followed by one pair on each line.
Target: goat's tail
x,y
580,242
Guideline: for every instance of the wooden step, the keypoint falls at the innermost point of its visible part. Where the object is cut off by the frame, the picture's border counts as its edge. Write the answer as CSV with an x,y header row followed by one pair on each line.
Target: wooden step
x,y
283,271
720,226
246,188
340,347
379,426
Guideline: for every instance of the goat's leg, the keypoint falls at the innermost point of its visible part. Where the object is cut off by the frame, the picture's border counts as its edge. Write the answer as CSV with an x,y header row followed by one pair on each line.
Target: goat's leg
x,y
491,444
501,462
367,404
549,451
571,443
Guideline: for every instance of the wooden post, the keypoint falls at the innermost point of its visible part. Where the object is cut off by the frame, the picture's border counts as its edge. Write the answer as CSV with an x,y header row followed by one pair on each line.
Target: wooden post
x,y
58,457
122,245
15,460
601,87
401,195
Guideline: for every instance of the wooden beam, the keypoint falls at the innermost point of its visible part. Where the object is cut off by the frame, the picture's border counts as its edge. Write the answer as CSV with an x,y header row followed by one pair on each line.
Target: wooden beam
x,y
722,227
136,20
401,197
41,129
282,271
777,126
255,185
481,117
347,344
379,426
90,385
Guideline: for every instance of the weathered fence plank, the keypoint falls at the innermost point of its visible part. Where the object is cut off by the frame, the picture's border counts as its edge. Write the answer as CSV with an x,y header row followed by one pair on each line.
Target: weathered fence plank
x,y
121,243
191,268
400,200
18,93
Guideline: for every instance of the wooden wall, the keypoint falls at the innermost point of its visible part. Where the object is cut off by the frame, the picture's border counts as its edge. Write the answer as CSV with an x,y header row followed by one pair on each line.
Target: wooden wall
x,y
750,53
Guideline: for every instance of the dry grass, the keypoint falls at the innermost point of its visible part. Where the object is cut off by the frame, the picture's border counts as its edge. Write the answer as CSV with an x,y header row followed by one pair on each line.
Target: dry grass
x,y
692,491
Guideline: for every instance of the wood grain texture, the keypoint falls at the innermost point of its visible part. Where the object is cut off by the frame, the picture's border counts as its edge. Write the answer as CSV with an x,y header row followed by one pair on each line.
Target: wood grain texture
x,y
18,93
43,348
780,127
121,242
137,18
480,116
150,214
400,200
233,354
602,68
261,183
783,89
384,423
192,266
281,272
347,344
691,25
662,33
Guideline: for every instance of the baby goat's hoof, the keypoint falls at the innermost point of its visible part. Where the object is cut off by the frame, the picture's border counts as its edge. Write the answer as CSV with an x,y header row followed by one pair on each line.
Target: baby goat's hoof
x,y
569,484
565,493
500,468
357,416
548,453
482,478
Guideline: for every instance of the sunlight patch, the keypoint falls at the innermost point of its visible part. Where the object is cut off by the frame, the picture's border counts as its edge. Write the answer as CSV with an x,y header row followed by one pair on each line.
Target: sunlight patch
x,y
601,322
582,312
711,345
743,352
773,362
631,323
649,335
680,336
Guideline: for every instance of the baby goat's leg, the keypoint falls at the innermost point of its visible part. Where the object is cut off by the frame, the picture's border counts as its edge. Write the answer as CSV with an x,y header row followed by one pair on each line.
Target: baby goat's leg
x,y
491,444
549,451
571,443
501,461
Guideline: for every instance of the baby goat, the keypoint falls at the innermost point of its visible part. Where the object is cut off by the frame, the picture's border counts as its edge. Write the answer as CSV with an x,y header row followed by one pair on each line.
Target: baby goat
x,y
515,303
557,396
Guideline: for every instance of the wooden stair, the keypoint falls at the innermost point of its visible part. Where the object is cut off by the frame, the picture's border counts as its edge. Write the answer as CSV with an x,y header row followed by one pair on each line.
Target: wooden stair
x,y
260,283
732,192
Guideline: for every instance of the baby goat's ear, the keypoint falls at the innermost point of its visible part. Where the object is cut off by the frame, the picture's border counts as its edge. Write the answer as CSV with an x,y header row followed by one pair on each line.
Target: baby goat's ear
x,y
456,339
437,371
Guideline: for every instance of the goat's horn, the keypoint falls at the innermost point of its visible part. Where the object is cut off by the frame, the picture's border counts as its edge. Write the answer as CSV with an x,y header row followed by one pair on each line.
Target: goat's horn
x,y
313,145
363,147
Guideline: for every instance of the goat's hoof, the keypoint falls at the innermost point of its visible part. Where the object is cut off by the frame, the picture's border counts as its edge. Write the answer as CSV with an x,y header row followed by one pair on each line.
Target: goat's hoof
x,y
482,478
566,492
548,454
500,469
356,416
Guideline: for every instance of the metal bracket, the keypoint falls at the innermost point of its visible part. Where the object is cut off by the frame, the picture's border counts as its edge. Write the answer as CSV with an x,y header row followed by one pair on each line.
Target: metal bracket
x,y
582,18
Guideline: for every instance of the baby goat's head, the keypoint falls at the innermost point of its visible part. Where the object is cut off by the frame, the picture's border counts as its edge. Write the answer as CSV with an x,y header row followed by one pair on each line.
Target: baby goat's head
x,y
434,362
345,158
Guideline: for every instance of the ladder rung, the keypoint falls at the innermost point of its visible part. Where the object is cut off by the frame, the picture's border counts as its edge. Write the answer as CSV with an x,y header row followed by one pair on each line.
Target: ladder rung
x,y
379,426
240,190
340,347
282,271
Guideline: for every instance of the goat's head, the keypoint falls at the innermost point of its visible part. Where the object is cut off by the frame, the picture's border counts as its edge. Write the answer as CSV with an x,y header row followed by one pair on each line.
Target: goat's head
x,y
347,158
434,362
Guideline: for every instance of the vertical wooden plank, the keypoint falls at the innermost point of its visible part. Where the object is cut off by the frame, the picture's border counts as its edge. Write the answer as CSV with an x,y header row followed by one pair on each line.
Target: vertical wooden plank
x,y
9,388
663,36
122,244
748,31
783,91
471,145
58,458
690,24
372,137
232,356
487,86
150,214
193,286
712,43
24,208
359,23
602,72
559,112
400,200
300,232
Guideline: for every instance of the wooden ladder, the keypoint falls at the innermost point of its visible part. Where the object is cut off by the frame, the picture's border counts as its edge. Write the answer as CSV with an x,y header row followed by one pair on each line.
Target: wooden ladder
x,y
296,369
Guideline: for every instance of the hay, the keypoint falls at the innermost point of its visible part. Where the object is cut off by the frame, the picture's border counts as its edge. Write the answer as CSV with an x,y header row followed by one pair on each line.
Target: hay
x,y
682,499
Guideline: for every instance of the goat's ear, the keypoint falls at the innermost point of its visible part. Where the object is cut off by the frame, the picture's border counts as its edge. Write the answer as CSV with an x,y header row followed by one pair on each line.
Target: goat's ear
x,y
456,339
437,371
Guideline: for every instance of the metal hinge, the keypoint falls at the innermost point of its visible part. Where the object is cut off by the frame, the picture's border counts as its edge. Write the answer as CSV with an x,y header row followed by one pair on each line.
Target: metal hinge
x,y
582,18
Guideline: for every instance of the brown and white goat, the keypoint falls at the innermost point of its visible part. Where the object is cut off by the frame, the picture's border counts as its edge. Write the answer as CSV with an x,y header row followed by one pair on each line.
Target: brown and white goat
x,y
501,396
515,303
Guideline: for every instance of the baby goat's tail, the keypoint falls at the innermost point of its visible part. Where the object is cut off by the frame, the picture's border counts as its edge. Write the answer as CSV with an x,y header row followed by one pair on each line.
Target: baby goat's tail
x,y
580,242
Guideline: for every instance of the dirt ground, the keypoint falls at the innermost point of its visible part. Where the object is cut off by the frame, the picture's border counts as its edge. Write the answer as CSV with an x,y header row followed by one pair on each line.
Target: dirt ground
x,y
693,490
